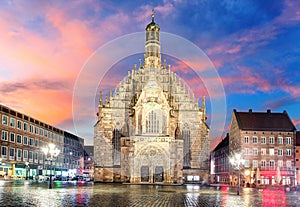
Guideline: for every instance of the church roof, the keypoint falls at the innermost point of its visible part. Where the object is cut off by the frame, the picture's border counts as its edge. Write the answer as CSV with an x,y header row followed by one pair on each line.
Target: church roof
x,y
264,121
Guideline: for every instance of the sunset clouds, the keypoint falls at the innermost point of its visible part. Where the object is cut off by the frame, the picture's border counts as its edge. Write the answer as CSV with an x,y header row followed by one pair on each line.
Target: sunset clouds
x,y
254,45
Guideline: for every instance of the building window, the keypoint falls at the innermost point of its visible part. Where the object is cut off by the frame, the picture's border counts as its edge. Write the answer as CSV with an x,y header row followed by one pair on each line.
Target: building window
x,y
280,163
4,120
31,141
36,157
25,127
152,122
263,151
271,151
272,140
288,163
30,157
255,151
12,122
247,163
36,143
4,135
255,163
246,140
263,164
246,151
19,154
254,140
31,128
288,152
36,130
19,124
25,155
19,139
4,152
41,132
263,140
280,140
25,140
11,153
272,164
12,137
288,140
280,152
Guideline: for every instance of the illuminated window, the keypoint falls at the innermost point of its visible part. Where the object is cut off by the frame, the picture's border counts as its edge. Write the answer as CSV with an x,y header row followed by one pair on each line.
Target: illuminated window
x,y
263,151
271,151
288,152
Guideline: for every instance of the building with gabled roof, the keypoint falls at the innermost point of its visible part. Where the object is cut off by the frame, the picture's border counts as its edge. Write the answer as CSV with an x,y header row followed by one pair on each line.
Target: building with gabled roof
x,y
266,141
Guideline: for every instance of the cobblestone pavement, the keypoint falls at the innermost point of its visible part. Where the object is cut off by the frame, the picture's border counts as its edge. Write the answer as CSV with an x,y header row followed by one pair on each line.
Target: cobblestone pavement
x,y
111,195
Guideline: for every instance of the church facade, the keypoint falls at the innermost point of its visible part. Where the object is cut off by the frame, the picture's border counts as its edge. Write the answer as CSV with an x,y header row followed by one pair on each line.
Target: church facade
x,y
151,129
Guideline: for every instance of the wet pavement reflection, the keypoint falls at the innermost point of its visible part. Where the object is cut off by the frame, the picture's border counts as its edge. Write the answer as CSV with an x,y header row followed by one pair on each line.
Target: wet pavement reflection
x,y
23,193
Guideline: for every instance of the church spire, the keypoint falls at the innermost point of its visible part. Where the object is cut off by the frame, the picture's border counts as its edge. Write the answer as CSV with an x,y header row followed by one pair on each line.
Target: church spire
x,y
152,55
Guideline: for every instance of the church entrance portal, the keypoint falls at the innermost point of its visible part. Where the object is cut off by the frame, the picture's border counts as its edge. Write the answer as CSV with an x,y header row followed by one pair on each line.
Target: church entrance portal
x,y
145,174
159,174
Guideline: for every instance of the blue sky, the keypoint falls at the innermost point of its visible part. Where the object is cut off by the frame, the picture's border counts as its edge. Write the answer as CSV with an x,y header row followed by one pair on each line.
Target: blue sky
x,y
254,46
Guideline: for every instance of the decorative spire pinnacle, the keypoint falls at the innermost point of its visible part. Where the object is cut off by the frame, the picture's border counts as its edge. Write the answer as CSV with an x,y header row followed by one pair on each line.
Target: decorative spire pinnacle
x,y
152,15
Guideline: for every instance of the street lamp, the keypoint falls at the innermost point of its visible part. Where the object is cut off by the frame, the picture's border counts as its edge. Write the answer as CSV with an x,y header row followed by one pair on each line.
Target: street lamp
x,y
50,152
237,163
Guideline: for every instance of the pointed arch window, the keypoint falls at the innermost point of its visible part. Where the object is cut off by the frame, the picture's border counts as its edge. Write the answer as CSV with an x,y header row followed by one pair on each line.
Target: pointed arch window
x,y
152,122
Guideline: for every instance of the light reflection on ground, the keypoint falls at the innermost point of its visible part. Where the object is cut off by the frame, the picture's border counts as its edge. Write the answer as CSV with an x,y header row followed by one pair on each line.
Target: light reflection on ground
x,y
73,194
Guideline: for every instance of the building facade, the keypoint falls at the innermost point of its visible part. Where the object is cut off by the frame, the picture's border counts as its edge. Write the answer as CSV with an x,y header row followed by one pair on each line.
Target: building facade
x,y
89,161
150,129
22,140
266,141
220,162
297,157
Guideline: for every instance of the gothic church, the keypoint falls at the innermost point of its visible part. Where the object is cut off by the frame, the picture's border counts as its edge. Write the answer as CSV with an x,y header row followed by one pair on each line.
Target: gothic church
x,y
151,129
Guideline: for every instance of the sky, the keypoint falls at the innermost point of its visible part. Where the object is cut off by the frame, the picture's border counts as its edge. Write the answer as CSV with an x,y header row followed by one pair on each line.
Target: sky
x,y
254,46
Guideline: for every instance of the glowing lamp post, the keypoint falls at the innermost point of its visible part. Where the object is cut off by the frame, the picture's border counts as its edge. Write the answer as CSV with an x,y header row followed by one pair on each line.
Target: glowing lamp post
x,y
237,163
50,153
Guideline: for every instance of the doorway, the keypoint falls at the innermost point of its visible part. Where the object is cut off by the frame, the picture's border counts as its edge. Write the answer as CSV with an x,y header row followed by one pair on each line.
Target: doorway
x,y
159,174
144,174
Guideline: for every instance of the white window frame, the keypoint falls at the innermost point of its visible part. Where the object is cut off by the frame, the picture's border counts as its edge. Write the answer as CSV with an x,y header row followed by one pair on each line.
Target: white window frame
x,y
280,163
255,151
19,124
25,155
246,139
25,126
272,164
280,140
271,151
288,152
4,119
12,157
255,163
12,122
263,151
19,152
288,163
25,143
4,156
4,135
280,152
36,157
272,140
263,140
254,139
288,140
30,156
10,136
31,141
21,141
